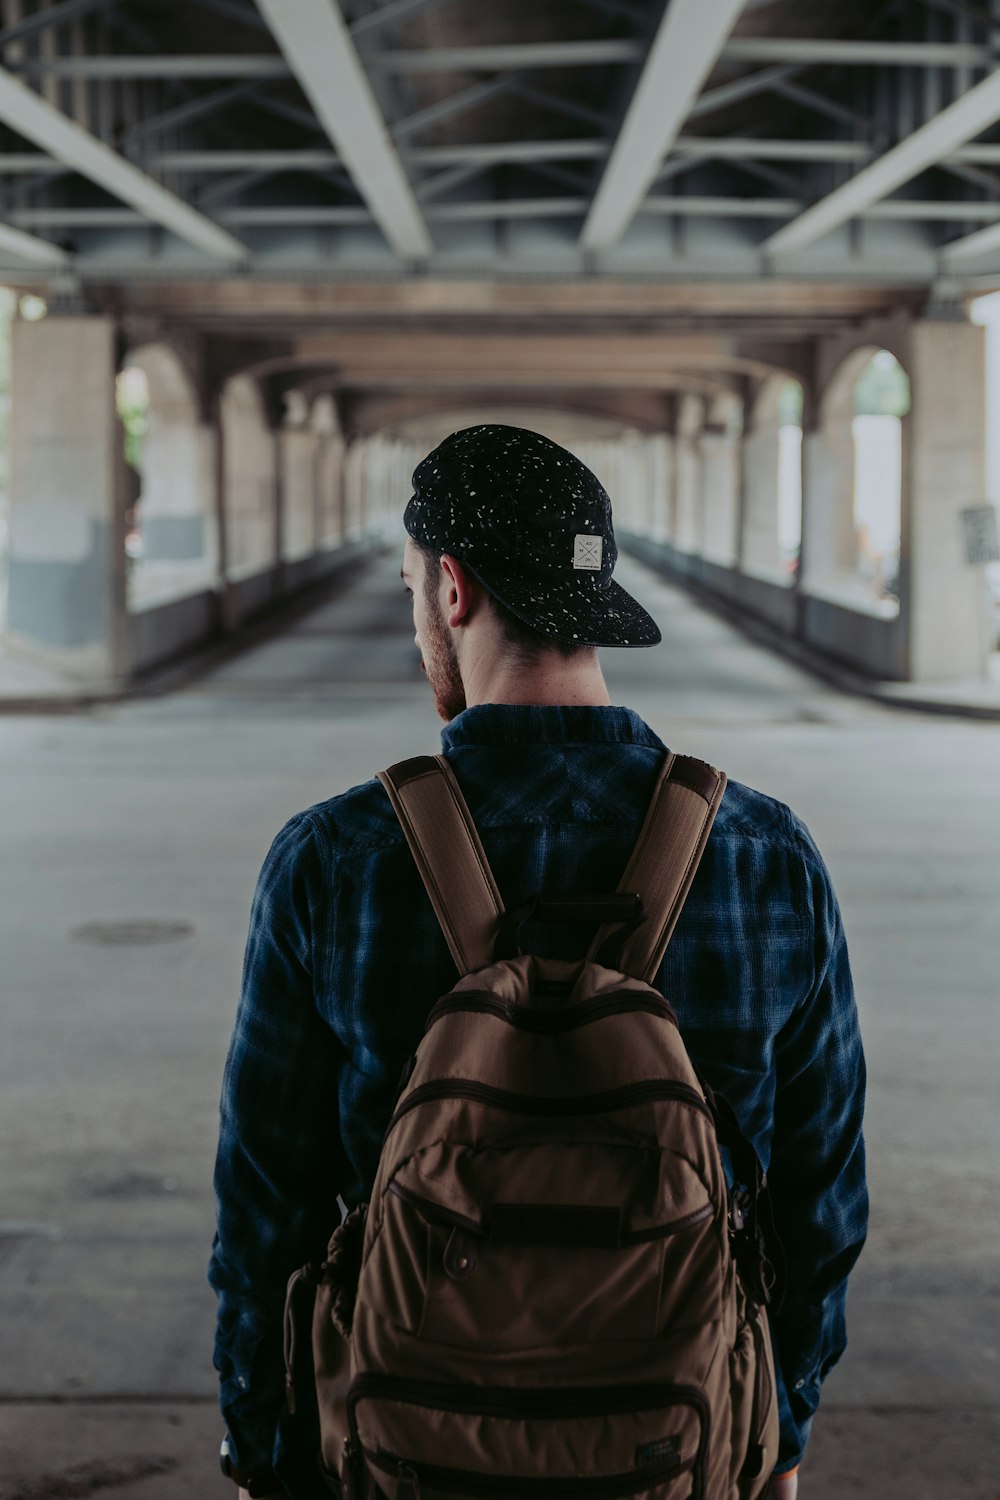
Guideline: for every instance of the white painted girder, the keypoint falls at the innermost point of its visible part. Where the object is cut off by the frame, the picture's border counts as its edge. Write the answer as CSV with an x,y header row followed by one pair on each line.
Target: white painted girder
x,y
969,116
28,247
37,121
317,45
690,38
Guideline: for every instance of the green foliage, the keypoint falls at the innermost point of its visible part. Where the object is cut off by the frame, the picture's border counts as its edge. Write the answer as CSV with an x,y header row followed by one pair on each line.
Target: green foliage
x,y
790,404
883,388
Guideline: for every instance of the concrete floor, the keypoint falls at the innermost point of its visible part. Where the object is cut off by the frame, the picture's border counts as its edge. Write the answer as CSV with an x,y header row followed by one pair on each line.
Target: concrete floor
x,y
111,1053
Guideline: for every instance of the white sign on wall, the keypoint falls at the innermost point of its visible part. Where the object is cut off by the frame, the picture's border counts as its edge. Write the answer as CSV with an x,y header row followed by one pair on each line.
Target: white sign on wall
x,y
982,545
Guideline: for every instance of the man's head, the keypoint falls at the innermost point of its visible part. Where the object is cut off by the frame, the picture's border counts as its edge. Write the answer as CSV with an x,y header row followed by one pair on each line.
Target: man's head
x,y
511,534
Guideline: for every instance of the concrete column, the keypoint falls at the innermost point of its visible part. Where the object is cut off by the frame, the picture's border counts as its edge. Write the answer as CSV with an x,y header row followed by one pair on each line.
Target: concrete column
x,y
688,519
67,496
249,480
662,482
355,460
299,450
720,448
829,537
946,473
761,557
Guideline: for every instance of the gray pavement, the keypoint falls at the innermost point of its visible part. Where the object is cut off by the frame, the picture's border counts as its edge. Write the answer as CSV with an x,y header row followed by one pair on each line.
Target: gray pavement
x,y
157,813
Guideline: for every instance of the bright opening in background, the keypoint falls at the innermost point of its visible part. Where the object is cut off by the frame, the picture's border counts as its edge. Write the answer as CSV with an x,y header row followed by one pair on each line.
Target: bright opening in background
x,y
790,404
881,400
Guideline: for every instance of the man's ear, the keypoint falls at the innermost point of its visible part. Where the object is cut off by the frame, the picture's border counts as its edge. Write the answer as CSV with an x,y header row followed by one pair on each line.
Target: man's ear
x,y
463,590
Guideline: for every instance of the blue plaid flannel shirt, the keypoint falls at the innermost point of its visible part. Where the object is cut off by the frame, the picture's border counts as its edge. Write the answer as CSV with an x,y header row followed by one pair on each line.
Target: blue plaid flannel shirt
x,y
344,959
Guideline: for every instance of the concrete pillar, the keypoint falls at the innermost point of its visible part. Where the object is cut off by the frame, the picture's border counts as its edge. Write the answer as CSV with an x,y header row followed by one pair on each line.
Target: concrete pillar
x,y
67,496
946,473
662,484
829,537
688,518
355,460
299,450
720,486
760,555
249,478
329,473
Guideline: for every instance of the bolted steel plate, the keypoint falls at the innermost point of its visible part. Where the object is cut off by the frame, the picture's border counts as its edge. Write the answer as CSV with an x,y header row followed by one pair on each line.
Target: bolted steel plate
x,y
131,934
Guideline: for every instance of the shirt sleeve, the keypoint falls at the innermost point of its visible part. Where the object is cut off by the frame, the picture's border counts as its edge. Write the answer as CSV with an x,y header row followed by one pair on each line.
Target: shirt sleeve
x,y
817,1170
278,1165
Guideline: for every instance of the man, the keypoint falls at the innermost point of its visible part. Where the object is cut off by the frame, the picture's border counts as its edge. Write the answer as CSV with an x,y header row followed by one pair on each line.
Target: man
x,y
509,562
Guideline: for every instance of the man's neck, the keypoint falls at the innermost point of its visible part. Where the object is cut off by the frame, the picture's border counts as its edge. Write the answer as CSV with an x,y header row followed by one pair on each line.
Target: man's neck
x,y
554,681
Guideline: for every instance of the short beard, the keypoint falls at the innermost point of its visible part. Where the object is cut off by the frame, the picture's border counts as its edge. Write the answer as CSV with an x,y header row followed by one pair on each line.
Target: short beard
x,y
440,661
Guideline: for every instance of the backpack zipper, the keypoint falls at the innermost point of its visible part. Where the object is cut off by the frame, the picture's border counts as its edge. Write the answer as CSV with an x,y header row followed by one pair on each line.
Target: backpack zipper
x,y
650,1091
482,1002
529,1405
441,1217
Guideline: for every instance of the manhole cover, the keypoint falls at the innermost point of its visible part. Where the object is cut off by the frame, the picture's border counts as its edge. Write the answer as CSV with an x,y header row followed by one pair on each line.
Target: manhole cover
x,y
132,934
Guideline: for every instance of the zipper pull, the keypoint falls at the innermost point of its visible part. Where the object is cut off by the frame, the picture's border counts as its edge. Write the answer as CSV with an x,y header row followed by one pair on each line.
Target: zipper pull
x,y
408,1487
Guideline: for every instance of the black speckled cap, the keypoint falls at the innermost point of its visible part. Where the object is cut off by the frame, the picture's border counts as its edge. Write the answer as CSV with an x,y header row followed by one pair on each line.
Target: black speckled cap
x,y
534,525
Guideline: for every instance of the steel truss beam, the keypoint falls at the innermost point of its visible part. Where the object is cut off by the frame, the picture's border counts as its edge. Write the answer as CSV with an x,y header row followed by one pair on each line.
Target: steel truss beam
x,y
27,247
318,48
683,52
525,55
36,120
689,205
971,114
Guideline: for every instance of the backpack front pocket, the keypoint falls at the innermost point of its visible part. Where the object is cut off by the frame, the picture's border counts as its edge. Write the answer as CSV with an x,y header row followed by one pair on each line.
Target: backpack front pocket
x,y
422,1439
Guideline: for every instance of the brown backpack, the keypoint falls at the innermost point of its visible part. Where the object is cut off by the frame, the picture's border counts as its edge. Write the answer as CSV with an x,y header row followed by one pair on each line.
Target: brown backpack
x,y
552,1292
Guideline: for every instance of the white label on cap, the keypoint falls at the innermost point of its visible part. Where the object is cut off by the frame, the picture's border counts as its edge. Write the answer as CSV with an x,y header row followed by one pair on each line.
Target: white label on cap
x,y
587,551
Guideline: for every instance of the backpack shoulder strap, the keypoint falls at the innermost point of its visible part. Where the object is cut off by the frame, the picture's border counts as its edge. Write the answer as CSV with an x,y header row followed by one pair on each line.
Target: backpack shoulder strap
x,y
666,856
435,818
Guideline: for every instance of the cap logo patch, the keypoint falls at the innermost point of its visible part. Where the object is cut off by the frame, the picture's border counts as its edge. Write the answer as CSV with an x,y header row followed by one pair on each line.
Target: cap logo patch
x,y
587,551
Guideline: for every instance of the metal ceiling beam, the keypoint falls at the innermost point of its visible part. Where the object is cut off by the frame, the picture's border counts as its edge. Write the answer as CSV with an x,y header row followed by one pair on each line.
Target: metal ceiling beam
x,y
752,148
972,246
149,65
507,57
318,47
389,15
741,88
27,247
684,50
833,109
561,105
190,110
824,52
971,114
34,119
305,160
446,109
695,207
312,215
518,55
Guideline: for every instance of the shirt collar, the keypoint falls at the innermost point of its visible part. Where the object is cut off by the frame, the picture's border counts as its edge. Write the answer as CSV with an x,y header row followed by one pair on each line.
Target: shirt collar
x,y
518,723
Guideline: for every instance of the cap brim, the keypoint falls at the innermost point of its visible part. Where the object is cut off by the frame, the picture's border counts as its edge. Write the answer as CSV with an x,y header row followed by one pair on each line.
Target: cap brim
x,y
579,610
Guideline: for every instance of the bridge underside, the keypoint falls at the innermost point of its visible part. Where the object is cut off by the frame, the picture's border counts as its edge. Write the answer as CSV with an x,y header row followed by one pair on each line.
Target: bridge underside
x,y
321,232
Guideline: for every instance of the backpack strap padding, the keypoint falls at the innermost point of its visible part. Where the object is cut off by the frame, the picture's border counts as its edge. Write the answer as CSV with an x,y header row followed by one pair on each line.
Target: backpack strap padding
x,y
666,856
453,866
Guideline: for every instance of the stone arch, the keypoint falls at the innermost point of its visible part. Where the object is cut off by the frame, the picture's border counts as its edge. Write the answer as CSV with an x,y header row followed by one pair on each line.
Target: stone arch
x,y
175,511
857,477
